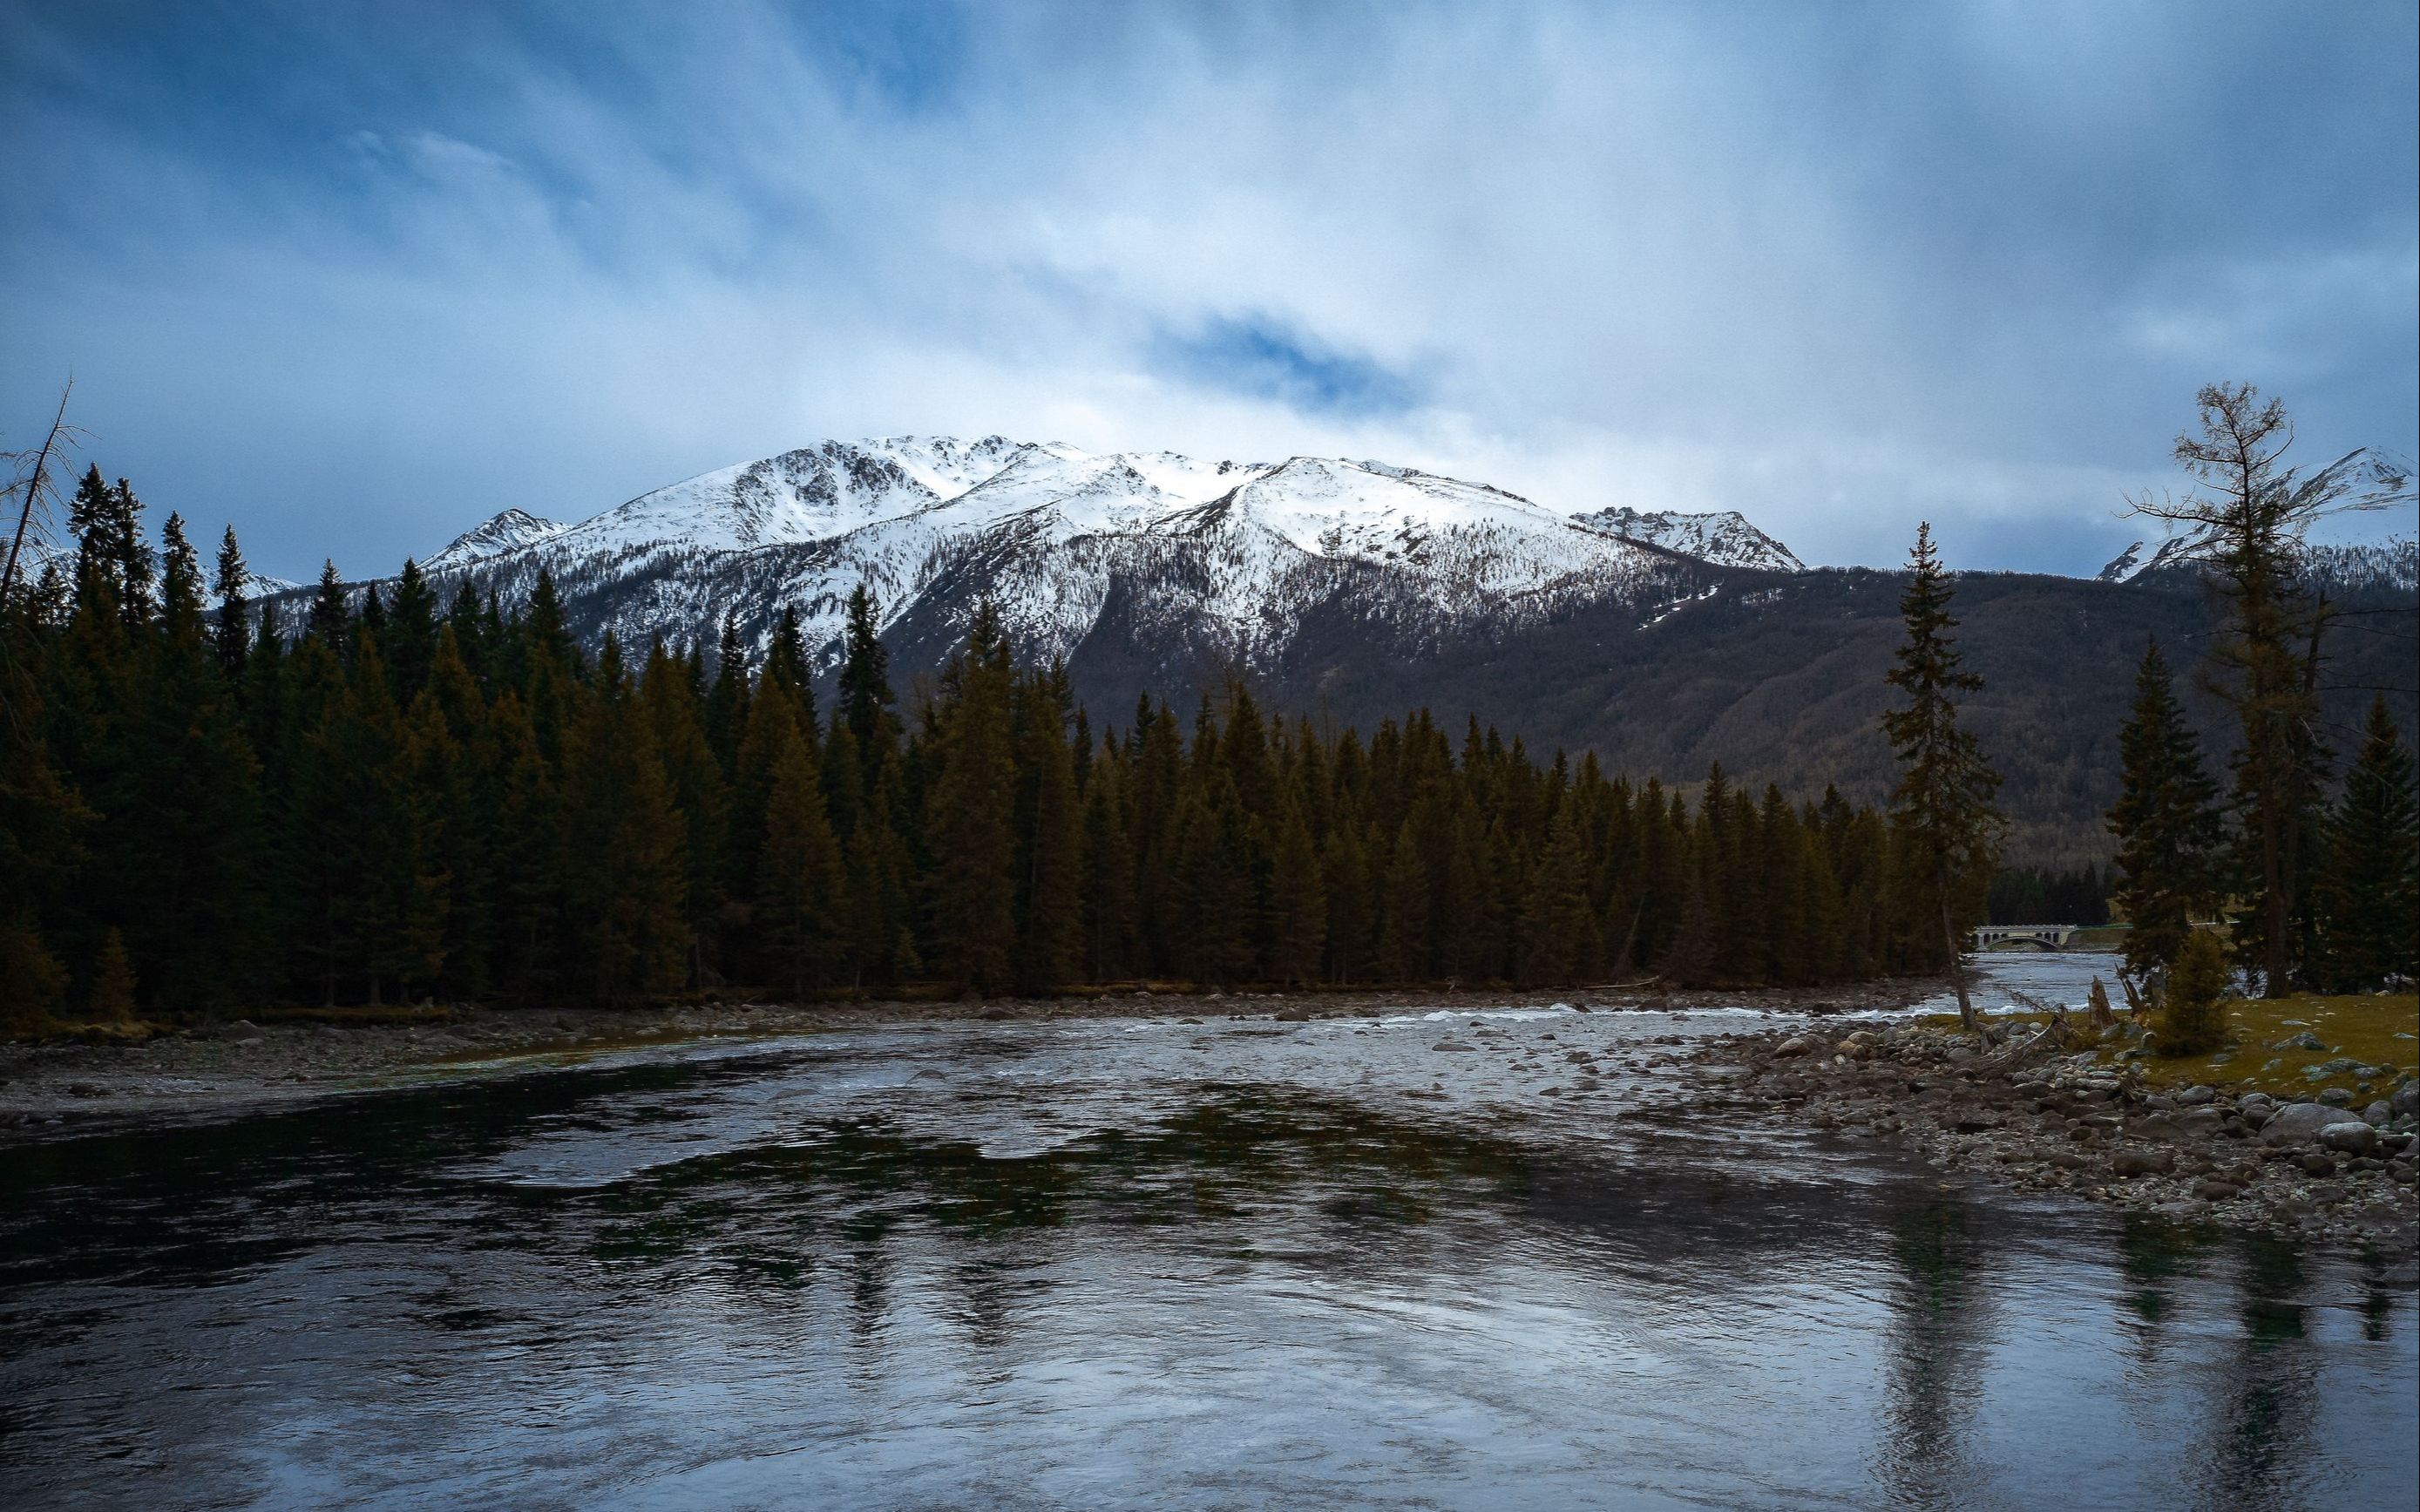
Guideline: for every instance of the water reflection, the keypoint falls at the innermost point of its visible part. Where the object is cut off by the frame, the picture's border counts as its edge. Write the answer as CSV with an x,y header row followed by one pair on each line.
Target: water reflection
x,y
1068,1267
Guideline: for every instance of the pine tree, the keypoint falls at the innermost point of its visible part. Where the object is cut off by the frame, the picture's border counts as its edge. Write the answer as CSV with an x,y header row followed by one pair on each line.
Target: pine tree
x,y
970,831
1559,928
865,697
1943,803
2166,821
2371,892
1297,900
1050,865
2250,511
799,880
625,882
411,635
329,619
232,638
1109,877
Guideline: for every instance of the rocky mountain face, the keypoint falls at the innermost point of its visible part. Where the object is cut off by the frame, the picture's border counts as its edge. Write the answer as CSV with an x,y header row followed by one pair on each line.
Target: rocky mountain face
x,y
1725,538
1356,590
1227,561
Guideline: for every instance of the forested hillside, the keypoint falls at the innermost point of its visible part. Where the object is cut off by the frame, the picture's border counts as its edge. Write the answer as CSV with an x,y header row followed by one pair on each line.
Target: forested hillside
x,y
394,798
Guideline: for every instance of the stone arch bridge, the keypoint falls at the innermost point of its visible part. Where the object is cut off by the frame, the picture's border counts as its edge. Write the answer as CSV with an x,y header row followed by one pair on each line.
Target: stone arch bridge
x,y
2040,936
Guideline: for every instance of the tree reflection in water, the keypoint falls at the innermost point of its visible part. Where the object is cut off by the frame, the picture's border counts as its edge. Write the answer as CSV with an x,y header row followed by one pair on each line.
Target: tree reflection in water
x,y
1940,1327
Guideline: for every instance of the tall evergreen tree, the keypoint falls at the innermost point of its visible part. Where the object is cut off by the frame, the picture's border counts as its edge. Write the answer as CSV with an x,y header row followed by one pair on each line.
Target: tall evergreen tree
x,y
2249,510
2166,821
970,831
1943,801
799,889
232,637
2371,892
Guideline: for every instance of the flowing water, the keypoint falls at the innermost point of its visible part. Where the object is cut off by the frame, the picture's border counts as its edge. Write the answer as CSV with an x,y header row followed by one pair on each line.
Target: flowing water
x,y
1227,1264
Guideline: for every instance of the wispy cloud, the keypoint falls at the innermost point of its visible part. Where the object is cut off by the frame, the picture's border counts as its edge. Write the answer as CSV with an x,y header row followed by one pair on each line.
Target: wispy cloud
x,y
354,279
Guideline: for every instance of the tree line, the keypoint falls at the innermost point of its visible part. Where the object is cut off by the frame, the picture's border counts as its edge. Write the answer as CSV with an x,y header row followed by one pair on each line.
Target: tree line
x,y
396,798
2311,891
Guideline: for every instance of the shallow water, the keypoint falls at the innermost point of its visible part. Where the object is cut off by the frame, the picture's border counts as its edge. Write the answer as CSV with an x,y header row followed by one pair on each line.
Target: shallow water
x,y
1227,1264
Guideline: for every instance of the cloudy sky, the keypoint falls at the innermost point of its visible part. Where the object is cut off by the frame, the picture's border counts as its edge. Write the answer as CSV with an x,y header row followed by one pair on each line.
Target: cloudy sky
x,y
354,277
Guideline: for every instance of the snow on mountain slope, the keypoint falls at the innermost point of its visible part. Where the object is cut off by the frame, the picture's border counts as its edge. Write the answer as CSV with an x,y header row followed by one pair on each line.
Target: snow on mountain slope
x,y
1725,537
2133,563
507,532
1235,551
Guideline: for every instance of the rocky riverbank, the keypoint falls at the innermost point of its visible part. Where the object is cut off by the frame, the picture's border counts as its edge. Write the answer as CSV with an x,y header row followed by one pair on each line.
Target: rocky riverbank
x,y
2043,1118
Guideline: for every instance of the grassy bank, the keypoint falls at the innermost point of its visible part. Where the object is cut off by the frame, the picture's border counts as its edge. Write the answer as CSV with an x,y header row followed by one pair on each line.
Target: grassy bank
x,y
2269,1044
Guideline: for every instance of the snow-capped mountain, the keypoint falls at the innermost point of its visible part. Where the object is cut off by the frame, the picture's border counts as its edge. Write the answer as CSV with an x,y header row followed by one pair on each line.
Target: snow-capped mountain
x,y
507,531
2392,564
1725,538
1226,559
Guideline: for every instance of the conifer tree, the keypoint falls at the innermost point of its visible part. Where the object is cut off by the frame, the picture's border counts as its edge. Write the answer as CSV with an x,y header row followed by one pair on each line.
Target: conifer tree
x,y
865,697
726,704
1559,928
625,877
231,639
2371,892
2250,511
970,831
329,619
798,880
2166,821
1049,867
1297,900
1108,876
410,636
1943,803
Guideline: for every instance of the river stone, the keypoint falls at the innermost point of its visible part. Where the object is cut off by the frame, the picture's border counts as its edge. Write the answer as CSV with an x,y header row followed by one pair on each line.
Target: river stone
x,y
2216,1190
2350,1138
241,1029
1977,1120
2317,1164
2142,1162
2195,1095
2299,1123
2335,1097
2406,1100
1452,1044
2378,1115
1792,1046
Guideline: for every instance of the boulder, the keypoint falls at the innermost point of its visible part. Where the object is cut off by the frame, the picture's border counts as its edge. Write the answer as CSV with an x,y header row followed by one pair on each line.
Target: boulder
x,y
2299,1123
1794,1046
2319,1163
241,1029
2142,1162
2335,1097
2194,1097
2348,1137
2215,1190
2406,1100
2378,1115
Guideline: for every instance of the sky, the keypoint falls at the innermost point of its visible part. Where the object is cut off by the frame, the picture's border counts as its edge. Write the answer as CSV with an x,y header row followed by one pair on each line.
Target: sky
x,y
354,277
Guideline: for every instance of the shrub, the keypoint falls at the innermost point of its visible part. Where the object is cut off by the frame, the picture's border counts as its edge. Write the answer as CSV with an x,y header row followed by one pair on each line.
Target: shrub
x,y
2192,1016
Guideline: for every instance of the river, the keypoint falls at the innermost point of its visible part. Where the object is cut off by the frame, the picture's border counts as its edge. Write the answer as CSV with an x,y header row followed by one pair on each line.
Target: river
x,y
1146,1262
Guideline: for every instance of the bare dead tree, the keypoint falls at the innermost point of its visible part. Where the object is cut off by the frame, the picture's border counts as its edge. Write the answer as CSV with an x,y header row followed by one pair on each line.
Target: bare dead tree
x,y
35,470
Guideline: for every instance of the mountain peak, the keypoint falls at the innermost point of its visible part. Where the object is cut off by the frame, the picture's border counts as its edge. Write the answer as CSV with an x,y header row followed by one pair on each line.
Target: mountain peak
x,y
1724,536
508,530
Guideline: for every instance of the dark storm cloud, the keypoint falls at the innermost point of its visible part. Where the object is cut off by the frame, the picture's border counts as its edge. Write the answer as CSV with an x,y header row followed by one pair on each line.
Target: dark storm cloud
x,y
357,276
